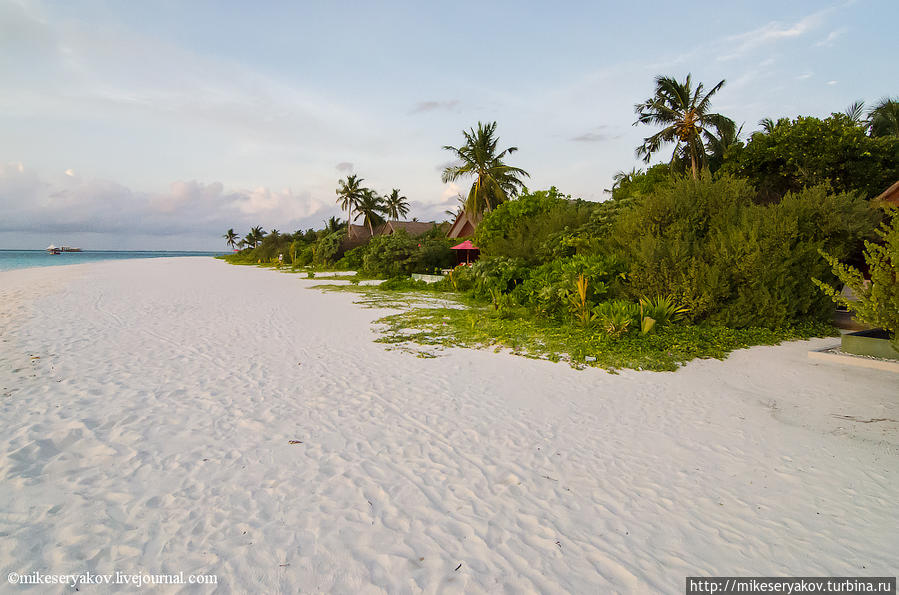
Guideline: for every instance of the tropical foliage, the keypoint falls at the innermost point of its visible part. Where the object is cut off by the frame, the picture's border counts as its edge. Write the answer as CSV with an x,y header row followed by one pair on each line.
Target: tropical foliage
x,y
877,299
687,120
694,256
350,193
789,155
494,181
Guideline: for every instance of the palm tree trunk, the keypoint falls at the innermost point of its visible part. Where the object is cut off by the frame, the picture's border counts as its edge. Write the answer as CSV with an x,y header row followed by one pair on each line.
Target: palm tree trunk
x,y
693,162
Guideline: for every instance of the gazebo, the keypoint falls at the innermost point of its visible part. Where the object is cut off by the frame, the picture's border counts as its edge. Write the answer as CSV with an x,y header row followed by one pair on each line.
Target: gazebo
x,y
470,250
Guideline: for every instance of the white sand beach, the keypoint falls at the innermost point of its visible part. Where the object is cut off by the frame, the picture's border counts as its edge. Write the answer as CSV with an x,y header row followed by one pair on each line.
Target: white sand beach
x,y
147,409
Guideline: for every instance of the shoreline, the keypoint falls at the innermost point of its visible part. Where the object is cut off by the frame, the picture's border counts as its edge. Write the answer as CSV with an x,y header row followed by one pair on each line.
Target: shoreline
x,y
153,432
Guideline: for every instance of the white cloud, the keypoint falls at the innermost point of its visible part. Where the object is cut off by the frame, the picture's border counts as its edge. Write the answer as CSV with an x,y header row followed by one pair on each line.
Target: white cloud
x,y
70,204
831,38
770,33
831,82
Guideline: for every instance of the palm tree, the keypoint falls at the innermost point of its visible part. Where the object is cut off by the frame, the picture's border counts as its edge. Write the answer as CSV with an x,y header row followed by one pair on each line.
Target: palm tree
x,y
883,119
460,208
686,117
767,125
395,206
370,207
333,225
349,194
254,237
494,181
231,238
856,112
716,145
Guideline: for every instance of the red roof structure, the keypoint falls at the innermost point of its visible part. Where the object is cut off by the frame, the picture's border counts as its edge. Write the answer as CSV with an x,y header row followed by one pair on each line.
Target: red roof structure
x,y
466,248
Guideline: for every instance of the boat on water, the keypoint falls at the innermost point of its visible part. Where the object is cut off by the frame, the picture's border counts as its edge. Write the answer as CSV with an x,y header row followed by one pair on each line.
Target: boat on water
x,y
54,250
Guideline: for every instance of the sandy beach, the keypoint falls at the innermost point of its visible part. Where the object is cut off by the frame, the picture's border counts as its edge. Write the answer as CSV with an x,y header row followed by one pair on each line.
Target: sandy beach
x,y
149,407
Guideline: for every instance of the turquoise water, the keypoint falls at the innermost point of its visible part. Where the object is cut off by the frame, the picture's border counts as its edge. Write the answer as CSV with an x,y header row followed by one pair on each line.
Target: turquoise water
x,y
22,259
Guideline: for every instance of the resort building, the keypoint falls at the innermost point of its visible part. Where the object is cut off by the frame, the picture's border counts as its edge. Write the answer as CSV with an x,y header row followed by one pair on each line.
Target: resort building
x,y
889,196
463,226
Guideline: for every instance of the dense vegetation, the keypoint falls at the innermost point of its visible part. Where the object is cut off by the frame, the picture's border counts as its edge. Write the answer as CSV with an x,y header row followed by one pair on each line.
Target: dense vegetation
x,y
730,242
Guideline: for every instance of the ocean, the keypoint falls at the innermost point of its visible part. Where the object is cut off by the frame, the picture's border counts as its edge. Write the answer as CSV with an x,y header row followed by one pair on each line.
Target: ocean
x,y
22,259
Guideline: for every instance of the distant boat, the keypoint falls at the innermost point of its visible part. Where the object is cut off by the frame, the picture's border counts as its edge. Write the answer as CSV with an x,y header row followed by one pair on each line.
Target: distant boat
x,y
54,250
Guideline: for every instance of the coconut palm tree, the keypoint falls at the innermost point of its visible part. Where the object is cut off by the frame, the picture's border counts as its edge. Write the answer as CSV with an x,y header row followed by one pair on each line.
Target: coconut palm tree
x,y
494,181
883,119
686,116
395,206
856,112
767,125
333,225
717,144
231,238
349,194
371,208
254,237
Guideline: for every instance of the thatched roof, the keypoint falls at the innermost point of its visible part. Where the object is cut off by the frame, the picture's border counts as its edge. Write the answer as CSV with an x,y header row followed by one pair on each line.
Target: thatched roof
x,y
463,226
890,195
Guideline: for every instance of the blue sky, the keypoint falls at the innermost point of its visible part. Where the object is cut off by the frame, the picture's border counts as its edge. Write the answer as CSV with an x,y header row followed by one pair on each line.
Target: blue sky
x,y
158,125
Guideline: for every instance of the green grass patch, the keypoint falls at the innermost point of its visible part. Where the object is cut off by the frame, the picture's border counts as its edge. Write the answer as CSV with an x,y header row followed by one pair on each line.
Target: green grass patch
x,y
664,350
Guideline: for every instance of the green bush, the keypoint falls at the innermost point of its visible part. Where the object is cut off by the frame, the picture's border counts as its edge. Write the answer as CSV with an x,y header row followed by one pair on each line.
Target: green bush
x,y
391,255
878,300
733,262
497,275
523,227
352,259
459,279
807,151
434,254
547,288
327,248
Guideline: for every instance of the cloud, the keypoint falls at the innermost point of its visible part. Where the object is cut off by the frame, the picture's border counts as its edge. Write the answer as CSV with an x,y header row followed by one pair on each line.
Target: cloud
x,y
831,38
804,76
831,82
430,106
68,204
770,33
595,136
344,167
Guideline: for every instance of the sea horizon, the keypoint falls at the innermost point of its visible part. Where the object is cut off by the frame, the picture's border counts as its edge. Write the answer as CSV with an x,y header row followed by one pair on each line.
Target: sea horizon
x,y
14,259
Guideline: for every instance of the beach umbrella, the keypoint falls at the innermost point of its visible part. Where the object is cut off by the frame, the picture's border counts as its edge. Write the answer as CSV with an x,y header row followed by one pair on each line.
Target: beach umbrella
x,y
469,248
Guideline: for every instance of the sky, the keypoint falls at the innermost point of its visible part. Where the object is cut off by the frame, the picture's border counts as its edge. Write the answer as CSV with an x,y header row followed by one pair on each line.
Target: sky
x,y
161,124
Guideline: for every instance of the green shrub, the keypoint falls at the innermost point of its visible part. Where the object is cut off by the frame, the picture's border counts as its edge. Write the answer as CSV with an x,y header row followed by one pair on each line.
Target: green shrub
x,y
459,279
304,257
808,151
391,255
434,254
878,300
662,309
498,274
327,249
735,263
547,288
617,317
352,259
521,228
